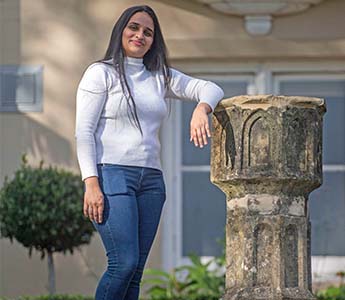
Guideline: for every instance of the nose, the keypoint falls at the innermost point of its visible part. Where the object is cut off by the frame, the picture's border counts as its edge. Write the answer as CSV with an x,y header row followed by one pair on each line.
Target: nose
x,y
139,34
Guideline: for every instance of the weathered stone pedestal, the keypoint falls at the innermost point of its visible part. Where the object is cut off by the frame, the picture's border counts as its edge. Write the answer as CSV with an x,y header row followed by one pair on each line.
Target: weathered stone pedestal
x,y
267,157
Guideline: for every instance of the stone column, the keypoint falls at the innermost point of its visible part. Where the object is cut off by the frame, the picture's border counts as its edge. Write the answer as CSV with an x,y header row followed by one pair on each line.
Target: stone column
x,y
266,157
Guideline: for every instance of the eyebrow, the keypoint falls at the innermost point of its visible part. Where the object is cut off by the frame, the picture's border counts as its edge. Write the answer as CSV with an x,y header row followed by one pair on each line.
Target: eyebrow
x,y
140,24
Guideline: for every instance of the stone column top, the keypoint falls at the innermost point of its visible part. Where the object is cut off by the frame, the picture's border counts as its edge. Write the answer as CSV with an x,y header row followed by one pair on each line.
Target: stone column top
x,y
267,144
266,101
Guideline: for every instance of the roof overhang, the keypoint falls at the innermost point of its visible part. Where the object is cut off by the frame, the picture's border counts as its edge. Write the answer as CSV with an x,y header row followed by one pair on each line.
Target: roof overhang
x,y
258,15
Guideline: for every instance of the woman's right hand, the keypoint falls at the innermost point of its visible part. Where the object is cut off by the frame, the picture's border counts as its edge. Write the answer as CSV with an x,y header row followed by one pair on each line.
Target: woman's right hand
x,y
93,200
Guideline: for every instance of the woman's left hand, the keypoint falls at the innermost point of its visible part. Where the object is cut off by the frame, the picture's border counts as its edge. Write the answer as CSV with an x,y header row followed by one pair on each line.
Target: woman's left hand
x,y
199,127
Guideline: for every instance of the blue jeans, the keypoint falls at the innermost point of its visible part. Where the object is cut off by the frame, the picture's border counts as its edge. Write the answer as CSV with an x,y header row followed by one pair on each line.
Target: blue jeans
x,y
133,201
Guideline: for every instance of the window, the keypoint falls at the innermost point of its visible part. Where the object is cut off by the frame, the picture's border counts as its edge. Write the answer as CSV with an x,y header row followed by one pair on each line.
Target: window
x,y
195,214
20,88
203,206
327,203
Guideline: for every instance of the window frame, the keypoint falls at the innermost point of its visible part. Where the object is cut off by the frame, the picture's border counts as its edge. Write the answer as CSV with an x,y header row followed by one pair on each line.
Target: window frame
x,y
278,78
324,266
17,106
172,224
265,76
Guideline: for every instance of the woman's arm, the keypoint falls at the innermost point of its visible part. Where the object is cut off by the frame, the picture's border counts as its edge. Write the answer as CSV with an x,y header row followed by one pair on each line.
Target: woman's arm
x,y
206,93
91,96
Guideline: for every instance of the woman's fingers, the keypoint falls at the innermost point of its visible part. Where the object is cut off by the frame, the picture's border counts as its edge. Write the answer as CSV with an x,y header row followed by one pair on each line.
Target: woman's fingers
x,y
207,127
85,207
195,139
90,212
203,133
100,213
199,135
94,211
97,211
193,136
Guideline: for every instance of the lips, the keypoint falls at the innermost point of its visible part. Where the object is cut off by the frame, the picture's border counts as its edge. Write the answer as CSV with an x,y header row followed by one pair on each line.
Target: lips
x,y
137,43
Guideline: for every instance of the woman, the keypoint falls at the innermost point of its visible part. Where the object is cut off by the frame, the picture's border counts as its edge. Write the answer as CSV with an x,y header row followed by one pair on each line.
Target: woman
x,y
121,103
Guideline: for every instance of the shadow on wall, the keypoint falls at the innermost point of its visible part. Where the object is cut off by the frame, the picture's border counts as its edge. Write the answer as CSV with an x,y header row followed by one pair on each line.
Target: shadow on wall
x,y
67,31
64,37
38,141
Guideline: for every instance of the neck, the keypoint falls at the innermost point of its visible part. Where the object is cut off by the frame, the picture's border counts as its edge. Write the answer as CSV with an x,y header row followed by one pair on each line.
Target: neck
x,y
134,60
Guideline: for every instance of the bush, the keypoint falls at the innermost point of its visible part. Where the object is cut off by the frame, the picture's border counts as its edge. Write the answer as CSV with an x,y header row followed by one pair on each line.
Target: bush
x,y
332,293
42,208
192,282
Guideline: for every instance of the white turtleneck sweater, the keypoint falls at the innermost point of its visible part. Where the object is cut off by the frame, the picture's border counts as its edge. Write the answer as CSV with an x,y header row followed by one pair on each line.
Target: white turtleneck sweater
x,y
104,133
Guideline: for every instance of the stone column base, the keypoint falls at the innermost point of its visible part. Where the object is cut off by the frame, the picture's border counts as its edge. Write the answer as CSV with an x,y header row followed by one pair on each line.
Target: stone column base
x,y
261,293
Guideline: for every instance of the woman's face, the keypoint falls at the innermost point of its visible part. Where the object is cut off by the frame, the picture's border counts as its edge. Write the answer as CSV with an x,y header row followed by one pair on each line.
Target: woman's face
x,y
137,37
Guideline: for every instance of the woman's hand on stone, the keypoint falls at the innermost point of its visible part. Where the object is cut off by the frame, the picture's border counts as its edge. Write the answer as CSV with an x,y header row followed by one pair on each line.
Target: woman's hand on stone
x,y
93,200
199,127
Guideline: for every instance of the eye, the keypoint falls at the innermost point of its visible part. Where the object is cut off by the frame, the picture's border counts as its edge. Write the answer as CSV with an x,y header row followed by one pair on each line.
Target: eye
x,y
132,26
148,33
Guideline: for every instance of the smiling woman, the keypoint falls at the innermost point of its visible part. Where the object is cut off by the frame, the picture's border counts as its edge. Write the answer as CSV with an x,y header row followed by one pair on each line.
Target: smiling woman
x,y
137,37
121,103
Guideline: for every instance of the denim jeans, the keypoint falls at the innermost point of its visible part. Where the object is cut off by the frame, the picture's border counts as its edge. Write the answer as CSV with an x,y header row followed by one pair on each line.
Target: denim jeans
x,y
133,201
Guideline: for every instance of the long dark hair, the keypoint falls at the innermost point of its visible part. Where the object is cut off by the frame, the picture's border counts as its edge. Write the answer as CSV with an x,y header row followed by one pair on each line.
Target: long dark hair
x,y
155,59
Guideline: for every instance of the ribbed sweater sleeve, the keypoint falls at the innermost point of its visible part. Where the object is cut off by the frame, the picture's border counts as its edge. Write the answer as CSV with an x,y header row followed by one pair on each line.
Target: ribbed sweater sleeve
x,y
188,88
91,97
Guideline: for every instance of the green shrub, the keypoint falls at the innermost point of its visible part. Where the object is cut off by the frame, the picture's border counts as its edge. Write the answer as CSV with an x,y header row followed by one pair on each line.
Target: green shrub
x,y
332,293
192,282
42,208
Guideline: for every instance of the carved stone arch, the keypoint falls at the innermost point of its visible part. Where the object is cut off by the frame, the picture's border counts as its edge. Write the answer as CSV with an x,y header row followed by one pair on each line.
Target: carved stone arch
x,y
299,135
290,248
262,254
257,141
229,146
227,143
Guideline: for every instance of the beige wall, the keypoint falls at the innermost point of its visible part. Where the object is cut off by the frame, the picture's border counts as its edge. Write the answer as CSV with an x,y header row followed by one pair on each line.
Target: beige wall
x,y
66,35
198,33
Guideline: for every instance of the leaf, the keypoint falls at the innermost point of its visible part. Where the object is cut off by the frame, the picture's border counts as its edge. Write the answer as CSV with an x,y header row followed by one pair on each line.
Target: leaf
x,y
156,272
